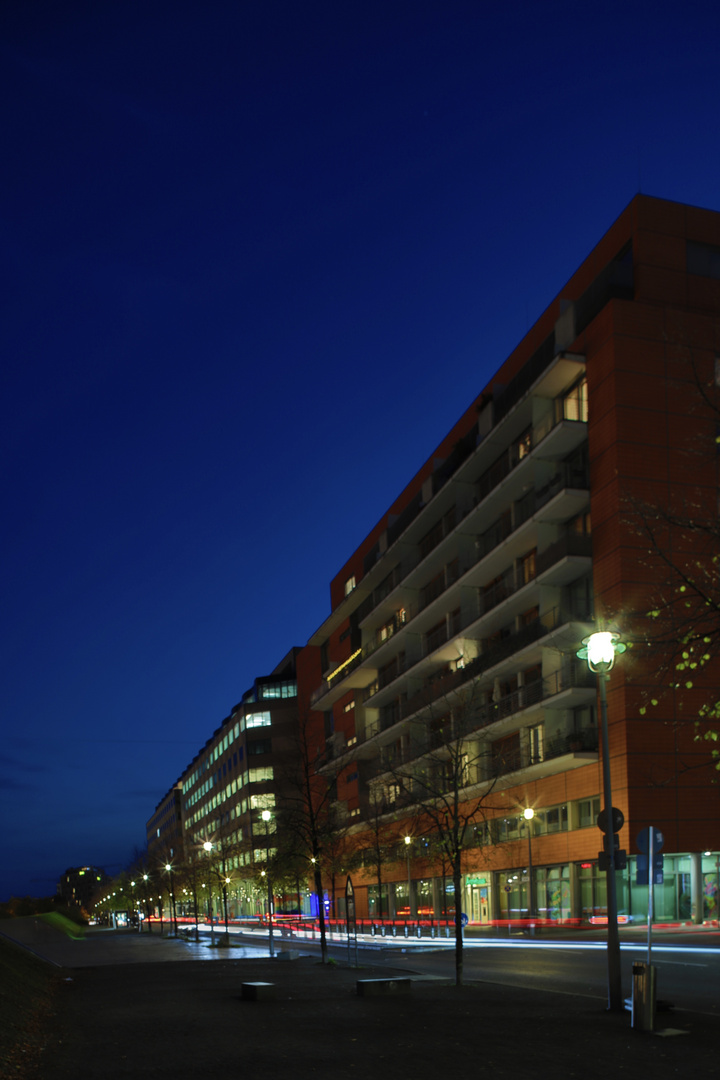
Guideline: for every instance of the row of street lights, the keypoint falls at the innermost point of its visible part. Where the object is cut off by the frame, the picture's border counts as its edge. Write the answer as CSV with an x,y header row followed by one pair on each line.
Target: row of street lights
x,y
599,650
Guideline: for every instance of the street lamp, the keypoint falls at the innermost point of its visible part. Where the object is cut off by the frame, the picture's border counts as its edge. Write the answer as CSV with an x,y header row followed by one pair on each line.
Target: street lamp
x,y
529,814
169,870
207,846
266,816
599,650
147,903
408,842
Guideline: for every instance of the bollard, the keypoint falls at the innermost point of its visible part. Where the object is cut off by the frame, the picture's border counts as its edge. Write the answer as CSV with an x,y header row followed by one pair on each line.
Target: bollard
x,y
644,977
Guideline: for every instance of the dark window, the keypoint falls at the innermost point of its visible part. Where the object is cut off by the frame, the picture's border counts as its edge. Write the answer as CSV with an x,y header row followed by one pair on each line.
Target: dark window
x,y
703,259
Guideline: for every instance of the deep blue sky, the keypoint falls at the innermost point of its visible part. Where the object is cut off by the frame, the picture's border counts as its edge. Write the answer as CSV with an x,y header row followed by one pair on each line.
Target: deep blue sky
x,y
256,260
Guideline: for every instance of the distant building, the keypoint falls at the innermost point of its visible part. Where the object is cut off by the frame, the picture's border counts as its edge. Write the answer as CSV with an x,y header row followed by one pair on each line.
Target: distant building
x,y
78,885
241,770
164,829
511,544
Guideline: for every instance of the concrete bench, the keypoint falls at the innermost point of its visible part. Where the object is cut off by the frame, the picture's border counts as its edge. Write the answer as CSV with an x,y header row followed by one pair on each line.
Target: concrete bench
x,y
288,954
258,991
383,987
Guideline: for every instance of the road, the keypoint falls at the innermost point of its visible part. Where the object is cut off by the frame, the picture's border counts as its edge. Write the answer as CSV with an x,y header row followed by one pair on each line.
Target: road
x,y
688,969
688,963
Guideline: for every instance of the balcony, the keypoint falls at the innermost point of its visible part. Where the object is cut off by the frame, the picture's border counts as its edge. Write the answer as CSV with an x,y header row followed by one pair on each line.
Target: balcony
x,y
575,686
348,676
556,436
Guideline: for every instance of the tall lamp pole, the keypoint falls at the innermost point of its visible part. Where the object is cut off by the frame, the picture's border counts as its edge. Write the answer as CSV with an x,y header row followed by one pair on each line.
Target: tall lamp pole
x,y
169,869
599,651
266,815
207,846
408,842
529,814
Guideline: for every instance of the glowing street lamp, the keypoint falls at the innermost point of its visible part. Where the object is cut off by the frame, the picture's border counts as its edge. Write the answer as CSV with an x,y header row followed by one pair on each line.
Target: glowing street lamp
x,y
408,842
600,650
529,814
146,878
169,870
266,816
207,847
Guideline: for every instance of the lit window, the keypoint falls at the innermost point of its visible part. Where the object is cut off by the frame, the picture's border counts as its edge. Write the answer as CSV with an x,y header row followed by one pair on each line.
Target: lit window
x,y
260,775
575,402
349,585
262,802
258,719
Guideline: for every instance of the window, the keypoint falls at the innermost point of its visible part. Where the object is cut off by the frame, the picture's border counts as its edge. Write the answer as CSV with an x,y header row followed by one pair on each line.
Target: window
x,y
259,776
588,810
262,802
703,259
535,743
259,746
528,567
524,444
575,402
258,719
580,525
349,584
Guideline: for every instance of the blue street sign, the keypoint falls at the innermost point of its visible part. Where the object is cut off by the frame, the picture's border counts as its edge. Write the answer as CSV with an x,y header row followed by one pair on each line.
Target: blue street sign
x,y
463,919
643,840
642,869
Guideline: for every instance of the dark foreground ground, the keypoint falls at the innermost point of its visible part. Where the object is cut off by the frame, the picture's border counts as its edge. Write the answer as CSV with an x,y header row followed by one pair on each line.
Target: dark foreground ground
x,y
187,1019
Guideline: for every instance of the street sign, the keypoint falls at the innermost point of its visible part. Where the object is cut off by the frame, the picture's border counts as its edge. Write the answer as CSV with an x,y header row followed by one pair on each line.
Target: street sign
x,y
642,876
463,919
643,840
618,820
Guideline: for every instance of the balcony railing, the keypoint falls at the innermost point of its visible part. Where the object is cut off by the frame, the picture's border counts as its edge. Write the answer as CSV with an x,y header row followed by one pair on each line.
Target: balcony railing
x,y
566,476
483,714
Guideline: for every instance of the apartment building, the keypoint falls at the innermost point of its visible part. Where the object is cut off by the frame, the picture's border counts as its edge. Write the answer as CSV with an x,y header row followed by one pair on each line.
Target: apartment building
x,y
457,621
243,769
164,830
79,885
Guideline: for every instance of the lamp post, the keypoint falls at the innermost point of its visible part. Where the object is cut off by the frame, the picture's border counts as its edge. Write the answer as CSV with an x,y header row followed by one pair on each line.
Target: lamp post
x,y
208,848
599,651
266,815
408,842
135,906
169,870
147,904
529,814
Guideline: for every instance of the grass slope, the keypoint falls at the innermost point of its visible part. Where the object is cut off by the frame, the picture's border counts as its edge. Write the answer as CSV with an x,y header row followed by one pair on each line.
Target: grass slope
x,y
26,991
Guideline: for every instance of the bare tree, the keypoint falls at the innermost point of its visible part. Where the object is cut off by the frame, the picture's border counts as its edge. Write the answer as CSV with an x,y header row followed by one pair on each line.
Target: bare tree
x,y
382,835
444,771
309,815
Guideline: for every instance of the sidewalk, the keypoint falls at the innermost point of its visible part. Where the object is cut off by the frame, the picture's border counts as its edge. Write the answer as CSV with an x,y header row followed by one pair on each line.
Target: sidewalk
x,y
187,1019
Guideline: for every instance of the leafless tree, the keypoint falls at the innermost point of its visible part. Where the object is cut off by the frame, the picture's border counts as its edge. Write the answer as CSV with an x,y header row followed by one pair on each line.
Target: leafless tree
x,y
444,771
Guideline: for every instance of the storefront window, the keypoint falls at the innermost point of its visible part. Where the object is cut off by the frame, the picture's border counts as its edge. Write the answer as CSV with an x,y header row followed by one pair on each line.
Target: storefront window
x,y
710,885
377,907
424,894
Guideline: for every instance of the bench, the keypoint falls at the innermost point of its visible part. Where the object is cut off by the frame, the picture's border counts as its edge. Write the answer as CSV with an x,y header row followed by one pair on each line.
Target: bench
x,y
383,987
258,991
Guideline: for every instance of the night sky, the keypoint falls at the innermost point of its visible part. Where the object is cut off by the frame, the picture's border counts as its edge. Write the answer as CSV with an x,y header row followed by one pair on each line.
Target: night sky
x,y
257,258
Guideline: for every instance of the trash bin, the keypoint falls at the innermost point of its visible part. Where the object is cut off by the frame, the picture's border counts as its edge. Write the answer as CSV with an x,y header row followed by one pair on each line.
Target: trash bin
x,y
644,978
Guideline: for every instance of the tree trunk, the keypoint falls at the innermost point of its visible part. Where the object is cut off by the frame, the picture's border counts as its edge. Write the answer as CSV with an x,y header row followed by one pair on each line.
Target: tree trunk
x,y
457,880
321,914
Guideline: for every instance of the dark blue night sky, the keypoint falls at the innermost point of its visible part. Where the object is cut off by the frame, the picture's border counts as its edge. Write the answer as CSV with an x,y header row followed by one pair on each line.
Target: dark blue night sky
x,y
256,260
